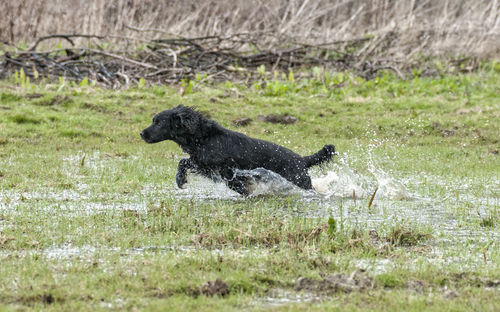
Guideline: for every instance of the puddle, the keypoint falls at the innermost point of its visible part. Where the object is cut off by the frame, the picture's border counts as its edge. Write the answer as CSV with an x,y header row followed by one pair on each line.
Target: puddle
x,y
277,297
374,266
96,160
68,252
117,304
313,290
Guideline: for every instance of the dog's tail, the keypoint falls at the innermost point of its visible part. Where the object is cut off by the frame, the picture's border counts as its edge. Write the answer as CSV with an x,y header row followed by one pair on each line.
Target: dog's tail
x,y
324,154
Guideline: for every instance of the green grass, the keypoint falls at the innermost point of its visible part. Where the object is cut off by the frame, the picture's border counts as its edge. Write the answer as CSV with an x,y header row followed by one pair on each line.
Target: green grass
x,y
90,217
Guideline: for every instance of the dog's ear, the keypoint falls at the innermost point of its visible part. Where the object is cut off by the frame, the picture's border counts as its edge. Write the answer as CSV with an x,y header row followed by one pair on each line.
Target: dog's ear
x,y
187,121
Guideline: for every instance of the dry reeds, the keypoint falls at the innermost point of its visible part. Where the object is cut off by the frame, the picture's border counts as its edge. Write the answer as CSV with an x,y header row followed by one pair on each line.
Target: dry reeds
x,y
437,27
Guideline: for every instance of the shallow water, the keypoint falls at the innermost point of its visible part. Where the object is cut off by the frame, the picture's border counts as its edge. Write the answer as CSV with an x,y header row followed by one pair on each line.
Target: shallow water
x,y
340,191
337,180
278,297
68,252
344,193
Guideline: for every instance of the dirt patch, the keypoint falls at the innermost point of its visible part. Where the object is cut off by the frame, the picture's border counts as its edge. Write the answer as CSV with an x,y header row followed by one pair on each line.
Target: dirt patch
x,y
94,107
47,298
54,101
4,240
436,126
209,289
241,122
213,288
356,281
450,294
416,286
457,280
492,283
467,111
282,119
33,96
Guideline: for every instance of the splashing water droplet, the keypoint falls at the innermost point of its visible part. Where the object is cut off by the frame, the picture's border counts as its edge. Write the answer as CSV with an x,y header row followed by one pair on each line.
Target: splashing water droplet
x,y
388,186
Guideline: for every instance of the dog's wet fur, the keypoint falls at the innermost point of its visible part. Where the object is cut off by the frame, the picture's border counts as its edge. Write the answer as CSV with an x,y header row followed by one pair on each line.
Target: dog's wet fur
x,y
216,152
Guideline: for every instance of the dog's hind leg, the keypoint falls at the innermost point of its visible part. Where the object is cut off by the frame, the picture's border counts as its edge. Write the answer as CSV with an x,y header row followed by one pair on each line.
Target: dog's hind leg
x,y
182,168
303,180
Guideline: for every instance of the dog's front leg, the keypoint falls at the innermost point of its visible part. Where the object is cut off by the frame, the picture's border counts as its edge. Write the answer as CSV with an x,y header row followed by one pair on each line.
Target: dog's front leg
x,y
182,168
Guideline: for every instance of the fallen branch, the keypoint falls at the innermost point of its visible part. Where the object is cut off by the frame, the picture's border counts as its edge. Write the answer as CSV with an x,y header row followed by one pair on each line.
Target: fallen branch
x,y
67,37
122,58
234,57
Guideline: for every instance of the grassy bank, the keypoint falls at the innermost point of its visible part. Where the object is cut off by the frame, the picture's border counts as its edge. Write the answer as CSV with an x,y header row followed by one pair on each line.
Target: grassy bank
x,y
90,215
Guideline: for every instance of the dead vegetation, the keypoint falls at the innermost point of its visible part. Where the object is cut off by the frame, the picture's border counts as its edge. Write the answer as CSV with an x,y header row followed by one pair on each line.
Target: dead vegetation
x,y
461,27
333,283
239,237
118,43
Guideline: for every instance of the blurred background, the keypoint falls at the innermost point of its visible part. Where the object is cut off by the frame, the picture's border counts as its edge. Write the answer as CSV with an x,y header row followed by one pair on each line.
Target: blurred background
x,y
407,27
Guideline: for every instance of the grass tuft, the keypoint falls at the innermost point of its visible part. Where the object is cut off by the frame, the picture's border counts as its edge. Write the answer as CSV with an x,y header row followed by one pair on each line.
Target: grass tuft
x,y
25,119
403,235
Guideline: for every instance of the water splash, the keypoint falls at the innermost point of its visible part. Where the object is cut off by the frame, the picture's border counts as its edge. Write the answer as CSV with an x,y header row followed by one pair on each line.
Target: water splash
x,y
265,182
388,186
200,187
340,180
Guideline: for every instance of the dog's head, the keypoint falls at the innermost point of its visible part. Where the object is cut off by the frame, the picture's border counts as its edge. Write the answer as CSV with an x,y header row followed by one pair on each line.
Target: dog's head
x,y
173,124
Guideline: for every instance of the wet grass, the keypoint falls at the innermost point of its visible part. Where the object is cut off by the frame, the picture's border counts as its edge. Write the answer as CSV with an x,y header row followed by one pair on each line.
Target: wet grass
x,y
90,216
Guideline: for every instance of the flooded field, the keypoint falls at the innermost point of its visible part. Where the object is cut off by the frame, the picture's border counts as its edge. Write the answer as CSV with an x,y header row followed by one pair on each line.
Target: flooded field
x,y
373,200
406,216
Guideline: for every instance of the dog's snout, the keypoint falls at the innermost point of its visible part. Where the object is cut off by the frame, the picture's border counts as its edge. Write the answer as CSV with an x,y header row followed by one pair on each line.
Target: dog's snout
x,y
144,136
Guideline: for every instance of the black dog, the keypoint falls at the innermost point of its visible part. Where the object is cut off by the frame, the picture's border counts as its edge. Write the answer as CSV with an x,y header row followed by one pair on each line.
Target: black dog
x,y
216,152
